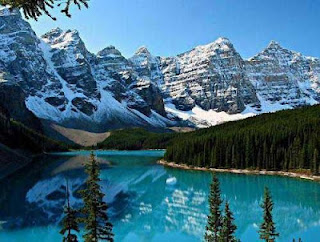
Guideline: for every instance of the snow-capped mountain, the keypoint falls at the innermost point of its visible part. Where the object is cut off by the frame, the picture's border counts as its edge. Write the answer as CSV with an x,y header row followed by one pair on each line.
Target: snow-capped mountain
x,y
65,83
283,78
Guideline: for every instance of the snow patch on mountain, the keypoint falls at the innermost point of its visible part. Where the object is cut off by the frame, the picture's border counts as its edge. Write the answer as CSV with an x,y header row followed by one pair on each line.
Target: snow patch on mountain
x,y
205,118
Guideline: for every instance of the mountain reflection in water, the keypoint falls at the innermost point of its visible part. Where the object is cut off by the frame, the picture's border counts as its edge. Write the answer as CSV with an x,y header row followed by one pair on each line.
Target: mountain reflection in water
x,y
143,206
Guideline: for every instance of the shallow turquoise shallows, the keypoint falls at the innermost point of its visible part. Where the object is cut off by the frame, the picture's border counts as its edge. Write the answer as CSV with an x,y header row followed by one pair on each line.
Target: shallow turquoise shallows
x,y
149,202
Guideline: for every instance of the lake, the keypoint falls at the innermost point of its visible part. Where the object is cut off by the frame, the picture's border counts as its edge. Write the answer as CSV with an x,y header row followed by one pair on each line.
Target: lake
x,y
149,202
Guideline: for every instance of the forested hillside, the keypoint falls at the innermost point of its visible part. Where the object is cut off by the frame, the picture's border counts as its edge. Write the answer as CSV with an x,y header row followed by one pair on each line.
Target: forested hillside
x,y
285,140
18,143
20,129
136,139
15,135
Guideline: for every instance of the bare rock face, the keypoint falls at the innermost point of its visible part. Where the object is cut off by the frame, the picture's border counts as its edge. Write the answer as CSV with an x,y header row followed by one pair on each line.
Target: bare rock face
x,y
147,65
149,78
211,77
70,59
63,82
126,82
284,77
111,59
152,96
21,55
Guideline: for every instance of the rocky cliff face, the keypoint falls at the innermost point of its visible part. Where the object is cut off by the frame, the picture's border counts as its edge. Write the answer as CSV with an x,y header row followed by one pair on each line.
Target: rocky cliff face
x,y
283,77
63,82
70,60
211,77
149,74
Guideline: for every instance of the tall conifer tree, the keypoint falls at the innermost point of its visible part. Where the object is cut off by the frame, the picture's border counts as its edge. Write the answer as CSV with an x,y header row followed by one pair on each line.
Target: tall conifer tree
x,y
228,227
97,224
69,222
267,228
214,218
315,161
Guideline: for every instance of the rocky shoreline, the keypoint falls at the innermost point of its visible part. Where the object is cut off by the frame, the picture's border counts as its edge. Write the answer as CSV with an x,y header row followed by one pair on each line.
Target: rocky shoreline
x,y
242,171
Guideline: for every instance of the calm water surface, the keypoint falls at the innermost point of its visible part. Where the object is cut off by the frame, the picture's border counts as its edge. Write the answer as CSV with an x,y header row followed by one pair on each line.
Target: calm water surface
x,y
145,206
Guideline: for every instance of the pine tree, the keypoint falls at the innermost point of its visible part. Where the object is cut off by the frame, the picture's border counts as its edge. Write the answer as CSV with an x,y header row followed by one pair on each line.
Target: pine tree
x,y
315,162
96,220
248,153
296,147
35,8
267,228
228,227
214,218
281,141
70,224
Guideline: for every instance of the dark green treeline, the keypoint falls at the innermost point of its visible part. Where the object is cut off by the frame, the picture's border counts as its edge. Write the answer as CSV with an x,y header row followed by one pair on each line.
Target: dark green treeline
x,y
284,140
18,136
136,139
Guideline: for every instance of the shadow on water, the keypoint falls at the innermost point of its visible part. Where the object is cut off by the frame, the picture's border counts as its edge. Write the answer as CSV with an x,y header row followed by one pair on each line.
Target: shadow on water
x,y
144,206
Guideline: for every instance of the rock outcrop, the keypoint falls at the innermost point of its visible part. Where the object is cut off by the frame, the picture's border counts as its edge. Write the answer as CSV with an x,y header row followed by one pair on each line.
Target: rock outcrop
x,y
284,78
212,76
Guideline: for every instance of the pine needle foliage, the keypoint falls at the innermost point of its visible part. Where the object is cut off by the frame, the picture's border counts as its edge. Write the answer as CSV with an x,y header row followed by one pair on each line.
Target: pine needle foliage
x,y
95,218
267,230
35,8
214,218
228,227
69,222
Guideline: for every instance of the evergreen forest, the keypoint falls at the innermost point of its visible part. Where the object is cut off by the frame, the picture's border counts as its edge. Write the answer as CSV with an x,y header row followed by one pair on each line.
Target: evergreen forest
x,y
285,140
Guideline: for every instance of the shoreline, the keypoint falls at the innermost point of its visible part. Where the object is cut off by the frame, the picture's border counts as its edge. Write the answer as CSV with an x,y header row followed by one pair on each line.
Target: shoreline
x,y
241,171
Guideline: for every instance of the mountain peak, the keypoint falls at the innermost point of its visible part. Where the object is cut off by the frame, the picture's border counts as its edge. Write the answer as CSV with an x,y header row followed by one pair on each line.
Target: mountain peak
x,y
56,32
222,43
109,51
72,31
53,33
142,51
57,29
222,40
62,38
274,44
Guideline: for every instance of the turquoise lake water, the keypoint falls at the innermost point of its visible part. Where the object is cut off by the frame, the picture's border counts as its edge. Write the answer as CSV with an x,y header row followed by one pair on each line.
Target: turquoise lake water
x,y
145,205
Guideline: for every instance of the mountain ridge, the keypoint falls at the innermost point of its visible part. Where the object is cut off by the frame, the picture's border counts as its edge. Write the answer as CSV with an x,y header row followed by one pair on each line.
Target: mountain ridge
x,y
209,84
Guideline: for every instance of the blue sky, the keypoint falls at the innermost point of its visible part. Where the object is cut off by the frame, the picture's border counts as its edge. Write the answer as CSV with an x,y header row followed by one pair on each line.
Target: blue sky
x,y
170,27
